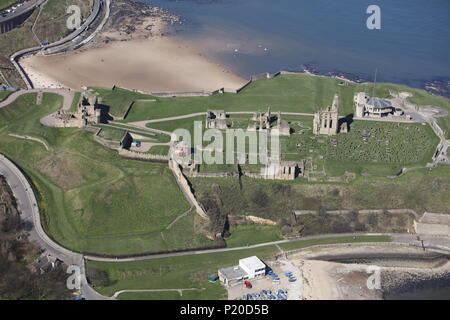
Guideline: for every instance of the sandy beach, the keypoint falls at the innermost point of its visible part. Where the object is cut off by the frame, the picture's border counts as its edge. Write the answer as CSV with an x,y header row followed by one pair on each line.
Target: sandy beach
x,y
145,59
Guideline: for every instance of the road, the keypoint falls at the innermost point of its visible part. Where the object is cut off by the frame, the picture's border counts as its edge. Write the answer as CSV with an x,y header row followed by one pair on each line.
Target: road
x,y
27,6
27,205
69,40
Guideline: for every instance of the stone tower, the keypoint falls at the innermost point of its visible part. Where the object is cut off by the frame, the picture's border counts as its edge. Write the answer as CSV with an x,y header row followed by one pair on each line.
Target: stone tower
x,y
326,120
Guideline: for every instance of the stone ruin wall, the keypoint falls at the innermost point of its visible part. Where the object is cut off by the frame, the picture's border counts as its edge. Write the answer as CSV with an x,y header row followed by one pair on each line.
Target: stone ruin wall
x,y
142,156
195,174
186,188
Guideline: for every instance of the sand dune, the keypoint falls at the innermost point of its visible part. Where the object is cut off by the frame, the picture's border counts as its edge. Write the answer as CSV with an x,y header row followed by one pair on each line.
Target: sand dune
x,y
155,64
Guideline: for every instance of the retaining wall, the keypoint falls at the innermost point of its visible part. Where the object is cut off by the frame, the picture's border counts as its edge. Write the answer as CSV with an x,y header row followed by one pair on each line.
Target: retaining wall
x,y
186,188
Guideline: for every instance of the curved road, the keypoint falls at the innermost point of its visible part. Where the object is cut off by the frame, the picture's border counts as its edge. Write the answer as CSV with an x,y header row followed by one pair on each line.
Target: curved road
x,y
67,94
26,7
67,40
27,205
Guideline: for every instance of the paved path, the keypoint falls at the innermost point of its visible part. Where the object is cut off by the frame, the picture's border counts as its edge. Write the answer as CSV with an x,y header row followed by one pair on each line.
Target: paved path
x,y
180,291
143,123
48,120
65,93
30,138
408,239
184,214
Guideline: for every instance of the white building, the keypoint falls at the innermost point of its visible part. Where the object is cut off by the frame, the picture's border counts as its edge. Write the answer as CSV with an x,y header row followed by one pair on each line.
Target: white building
x,y
366,106
248,268
253,267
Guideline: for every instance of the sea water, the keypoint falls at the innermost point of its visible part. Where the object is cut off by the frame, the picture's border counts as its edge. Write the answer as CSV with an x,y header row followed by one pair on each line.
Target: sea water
x,y
254,36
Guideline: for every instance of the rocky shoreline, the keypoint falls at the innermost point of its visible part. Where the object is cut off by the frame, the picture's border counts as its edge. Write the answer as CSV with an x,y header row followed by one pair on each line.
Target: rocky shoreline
x,y
403,270
403,280
439,86
135,20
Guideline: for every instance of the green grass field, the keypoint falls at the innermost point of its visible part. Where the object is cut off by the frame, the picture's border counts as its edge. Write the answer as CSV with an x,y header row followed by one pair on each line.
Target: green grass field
x,y
244,235
111,133
4,94
6,3
90,199
118,100
159,150
192,271
288,93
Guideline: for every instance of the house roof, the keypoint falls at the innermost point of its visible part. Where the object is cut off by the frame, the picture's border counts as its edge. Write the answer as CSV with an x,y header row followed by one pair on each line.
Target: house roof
x,y
233,273
252,263
379,103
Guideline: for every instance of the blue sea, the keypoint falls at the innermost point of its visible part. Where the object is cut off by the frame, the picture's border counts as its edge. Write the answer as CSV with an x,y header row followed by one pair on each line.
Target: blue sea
x,y
254,36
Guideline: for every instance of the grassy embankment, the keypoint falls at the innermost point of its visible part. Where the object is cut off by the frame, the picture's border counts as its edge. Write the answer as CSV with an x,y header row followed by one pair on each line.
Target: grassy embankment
x,y
118,100
192,271
4,95
421,190
90,199
51,26
6,3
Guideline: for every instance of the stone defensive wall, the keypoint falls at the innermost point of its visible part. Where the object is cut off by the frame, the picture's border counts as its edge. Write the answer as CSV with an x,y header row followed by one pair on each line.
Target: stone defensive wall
x,y
142,156
368,211
238,220
125,114
186,189
382,253
173,94
226,174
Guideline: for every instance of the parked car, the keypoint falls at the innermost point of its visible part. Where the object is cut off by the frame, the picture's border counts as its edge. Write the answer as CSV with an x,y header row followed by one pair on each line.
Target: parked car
x,y
248,285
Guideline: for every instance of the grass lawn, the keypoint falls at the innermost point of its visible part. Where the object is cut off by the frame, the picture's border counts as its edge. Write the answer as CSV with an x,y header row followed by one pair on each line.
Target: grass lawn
x,y
118,100
90,199
159,150
191,271
288,93
244,235
157,137
4,94
170,295
171,126
6,3
111,133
